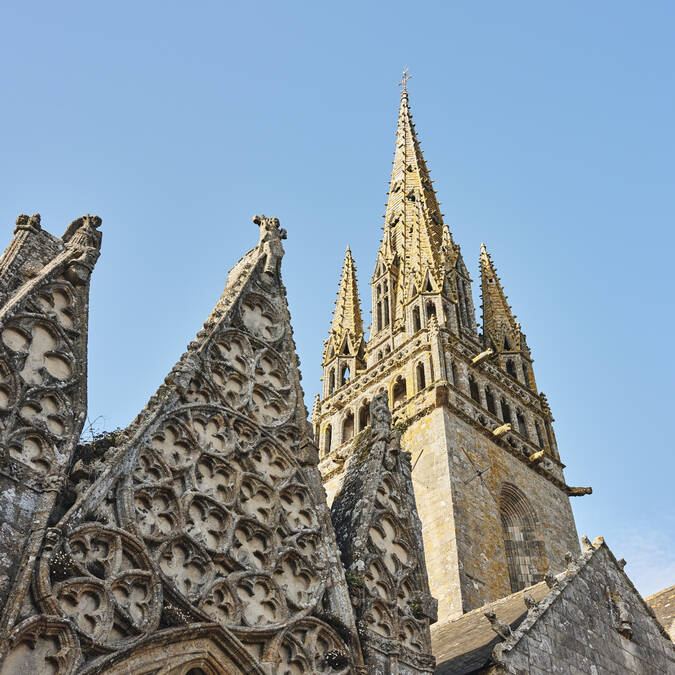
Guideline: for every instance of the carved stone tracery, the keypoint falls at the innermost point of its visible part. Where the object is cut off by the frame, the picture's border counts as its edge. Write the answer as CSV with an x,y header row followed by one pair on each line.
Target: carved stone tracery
x,y
213,513
378,532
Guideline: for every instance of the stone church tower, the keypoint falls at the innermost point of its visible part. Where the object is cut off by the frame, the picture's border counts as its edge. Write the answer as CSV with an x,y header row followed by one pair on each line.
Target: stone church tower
x,y
487,475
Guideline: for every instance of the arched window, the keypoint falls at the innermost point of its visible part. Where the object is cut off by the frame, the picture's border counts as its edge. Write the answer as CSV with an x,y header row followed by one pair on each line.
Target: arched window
x,y
431,309
379,316
419,376
379,356
462,306
364,415
525,555
331,381
540,438
490,400
453,370
417,324
525,374
400,391
550,440
468,312
506,411
327,438
511,368
522,424
386,311
345,375
473,389
387,350
348,427
507,346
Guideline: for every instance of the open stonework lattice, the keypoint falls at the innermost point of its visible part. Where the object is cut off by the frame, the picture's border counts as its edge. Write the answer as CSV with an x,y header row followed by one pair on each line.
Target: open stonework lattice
x,y
380,537
208,509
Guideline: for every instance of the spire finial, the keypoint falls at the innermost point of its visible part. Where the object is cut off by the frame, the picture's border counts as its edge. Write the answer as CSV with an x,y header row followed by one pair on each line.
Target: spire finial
x,y
404,81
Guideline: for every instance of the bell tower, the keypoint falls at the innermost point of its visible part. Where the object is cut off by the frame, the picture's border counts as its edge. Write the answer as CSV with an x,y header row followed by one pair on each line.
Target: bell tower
x,y
488,480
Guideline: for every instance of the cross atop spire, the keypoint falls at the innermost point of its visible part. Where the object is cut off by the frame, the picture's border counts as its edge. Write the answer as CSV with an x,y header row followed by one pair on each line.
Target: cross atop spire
x,y
404,80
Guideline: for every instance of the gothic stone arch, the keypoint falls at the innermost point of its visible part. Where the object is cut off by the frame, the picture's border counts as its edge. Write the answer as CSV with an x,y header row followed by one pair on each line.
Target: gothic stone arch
x,y
524,548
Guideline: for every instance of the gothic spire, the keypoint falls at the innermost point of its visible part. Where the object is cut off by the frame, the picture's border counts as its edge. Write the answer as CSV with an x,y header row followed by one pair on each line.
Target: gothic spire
x,y
501,331
346,331
413,228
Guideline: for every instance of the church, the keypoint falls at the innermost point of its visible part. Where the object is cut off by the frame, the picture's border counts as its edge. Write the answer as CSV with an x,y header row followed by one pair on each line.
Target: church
x,y
418,521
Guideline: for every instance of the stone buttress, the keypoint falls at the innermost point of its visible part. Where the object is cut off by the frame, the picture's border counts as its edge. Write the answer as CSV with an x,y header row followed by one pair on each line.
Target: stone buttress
x,y
202,538
380,538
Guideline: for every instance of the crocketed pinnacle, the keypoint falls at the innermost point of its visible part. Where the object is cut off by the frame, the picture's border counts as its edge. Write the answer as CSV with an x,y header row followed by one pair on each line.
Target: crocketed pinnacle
x,y
500,329
346,331
415,237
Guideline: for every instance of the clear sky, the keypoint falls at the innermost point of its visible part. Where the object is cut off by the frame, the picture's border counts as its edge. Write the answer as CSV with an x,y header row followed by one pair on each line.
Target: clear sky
x,y
549,131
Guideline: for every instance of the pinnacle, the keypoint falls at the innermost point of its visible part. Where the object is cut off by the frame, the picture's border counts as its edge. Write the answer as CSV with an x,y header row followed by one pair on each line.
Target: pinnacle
x,y
347,321
497,313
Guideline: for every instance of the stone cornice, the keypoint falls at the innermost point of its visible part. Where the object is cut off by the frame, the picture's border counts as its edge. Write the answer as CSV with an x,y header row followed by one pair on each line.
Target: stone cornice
x,y
332,464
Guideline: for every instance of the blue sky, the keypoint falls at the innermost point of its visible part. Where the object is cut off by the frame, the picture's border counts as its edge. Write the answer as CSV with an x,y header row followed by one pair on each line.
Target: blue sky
x,y
549,131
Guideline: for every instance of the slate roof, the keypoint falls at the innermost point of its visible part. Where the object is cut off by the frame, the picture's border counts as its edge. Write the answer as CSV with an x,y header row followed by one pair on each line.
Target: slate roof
x,y
465,644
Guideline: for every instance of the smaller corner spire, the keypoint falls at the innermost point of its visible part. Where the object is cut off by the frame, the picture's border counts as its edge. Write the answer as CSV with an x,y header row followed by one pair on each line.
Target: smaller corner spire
x,y
501,331
347,326
499,322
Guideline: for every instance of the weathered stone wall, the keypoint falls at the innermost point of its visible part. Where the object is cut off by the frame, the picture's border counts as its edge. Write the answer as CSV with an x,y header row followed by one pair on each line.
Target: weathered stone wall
x,y
598,625
425,441
480,537
459,509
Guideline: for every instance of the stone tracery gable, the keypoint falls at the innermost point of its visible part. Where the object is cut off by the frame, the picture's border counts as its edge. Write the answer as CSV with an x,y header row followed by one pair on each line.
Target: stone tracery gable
x,y
214,505
379,535
42,357
43,339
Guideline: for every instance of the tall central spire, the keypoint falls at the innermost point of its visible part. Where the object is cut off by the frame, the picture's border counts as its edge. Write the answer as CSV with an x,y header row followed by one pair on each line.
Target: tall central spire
x,y
417,248
413,222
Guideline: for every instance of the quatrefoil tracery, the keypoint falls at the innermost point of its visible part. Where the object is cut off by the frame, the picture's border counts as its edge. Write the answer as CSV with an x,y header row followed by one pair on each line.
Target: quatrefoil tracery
x,y
37,368
213,500
251,377
102,579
